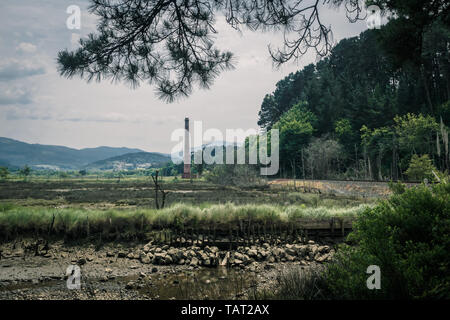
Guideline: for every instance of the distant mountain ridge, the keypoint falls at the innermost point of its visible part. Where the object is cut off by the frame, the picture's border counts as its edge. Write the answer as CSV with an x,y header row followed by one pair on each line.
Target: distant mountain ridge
x,y
131,161
14,153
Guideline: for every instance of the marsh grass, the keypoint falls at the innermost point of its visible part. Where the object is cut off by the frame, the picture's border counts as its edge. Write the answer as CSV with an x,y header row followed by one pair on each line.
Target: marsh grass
x,y
126,223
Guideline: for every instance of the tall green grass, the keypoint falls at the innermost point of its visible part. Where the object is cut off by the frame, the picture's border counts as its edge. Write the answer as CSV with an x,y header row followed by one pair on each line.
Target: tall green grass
x,y
84,222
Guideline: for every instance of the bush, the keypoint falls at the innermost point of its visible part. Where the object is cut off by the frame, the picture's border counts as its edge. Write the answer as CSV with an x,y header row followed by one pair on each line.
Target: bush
x,y
407,236
420,168
298,283
240,175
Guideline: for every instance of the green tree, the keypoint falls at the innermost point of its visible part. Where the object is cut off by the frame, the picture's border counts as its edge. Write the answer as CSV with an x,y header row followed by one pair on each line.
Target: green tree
x,y
377,143
416,133
25,172
296,130
407,236
420,168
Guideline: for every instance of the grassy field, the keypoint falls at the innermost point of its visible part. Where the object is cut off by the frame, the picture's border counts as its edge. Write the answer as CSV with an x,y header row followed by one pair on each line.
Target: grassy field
x,y
80,208
139,192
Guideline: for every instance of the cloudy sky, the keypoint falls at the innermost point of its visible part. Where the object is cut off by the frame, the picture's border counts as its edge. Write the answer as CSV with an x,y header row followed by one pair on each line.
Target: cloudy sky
x,y
38,106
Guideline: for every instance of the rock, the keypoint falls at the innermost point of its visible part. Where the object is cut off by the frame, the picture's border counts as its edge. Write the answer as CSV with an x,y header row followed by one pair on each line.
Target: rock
x,y
321,258
81,261
301,250
191,253
239,256
121,254
311,242
203,256
110,254
168,259
252,253
271,259
90,258
266,245
278,253
213,249
146,259
181,261
108,270
291,251
162,258
173,253
207,262
194,261
289,258
130,285
237,261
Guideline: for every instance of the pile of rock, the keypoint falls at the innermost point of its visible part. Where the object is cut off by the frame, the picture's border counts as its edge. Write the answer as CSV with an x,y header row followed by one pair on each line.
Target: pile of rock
x,y
211,256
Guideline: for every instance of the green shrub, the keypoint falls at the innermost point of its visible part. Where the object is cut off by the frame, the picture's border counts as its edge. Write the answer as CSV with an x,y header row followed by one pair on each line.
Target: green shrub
x,y
420,168
407,236
240,175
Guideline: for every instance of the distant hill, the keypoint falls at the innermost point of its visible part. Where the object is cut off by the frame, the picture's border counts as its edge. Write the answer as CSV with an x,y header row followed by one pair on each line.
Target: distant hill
x,y
38,156
7,165
131,161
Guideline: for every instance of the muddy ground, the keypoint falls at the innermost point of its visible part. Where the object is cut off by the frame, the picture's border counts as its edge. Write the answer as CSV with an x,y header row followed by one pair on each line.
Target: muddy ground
x,y
111,272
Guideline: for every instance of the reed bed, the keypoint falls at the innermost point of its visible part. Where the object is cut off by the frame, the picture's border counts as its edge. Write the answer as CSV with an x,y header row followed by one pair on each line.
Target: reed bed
x,y
180,219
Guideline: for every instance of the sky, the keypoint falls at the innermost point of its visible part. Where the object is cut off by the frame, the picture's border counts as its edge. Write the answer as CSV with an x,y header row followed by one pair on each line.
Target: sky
x,y
39,106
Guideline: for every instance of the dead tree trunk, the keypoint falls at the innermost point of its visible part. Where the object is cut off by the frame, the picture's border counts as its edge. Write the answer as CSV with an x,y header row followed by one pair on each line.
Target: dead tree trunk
x,y
158,188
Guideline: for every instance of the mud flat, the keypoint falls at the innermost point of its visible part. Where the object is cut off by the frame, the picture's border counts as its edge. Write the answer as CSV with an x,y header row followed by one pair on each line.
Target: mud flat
x,y
150,271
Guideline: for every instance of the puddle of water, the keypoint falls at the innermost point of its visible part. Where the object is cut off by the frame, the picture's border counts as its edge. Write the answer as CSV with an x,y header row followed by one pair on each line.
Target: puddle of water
x,y
216,283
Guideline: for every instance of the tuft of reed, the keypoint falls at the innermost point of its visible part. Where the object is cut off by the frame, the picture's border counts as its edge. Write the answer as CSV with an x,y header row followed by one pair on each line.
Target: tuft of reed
x,y
129,223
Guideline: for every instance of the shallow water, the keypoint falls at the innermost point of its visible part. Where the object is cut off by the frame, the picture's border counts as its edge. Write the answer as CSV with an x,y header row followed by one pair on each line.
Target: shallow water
x,y
214,283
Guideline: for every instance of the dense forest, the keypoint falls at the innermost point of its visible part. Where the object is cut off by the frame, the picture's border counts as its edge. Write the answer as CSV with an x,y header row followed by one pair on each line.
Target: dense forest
x,y
366,111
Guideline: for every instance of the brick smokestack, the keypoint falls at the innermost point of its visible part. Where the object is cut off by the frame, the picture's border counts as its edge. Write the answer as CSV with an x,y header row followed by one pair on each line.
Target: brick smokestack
x,y
187,151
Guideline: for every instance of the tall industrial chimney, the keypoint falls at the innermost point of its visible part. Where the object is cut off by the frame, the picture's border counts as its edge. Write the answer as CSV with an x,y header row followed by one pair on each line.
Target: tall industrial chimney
x,y
187,151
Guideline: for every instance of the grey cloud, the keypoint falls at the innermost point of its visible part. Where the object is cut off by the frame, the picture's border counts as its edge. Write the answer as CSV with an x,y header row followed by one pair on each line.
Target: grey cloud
x,y
10,96
14,70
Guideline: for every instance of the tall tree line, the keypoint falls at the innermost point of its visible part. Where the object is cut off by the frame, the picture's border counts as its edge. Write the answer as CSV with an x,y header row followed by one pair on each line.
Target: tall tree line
x,y
372,106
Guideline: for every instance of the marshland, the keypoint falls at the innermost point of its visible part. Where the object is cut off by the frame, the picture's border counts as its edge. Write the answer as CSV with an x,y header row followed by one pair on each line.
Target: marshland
x,y
204,230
